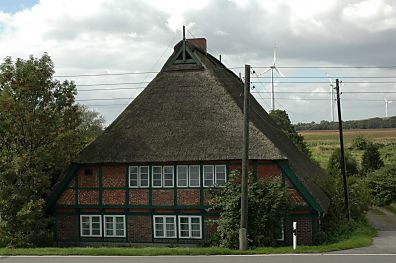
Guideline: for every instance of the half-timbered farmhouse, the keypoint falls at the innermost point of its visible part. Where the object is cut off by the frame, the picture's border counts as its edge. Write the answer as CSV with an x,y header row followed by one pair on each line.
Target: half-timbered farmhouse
x,y
147,178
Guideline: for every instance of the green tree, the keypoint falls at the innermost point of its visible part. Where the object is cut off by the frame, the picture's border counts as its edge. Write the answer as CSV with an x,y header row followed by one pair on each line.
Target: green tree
x,y
281,118
334,164
371,159
267,205
42,129
382,184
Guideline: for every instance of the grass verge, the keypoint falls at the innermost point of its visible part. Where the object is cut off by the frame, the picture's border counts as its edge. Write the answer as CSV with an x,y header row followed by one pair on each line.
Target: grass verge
x,y
363,236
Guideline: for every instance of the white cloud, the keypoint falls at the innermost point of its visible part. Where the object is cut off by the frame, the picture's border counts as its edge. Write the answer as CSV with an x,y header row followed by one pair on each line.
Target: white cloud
x,y
371,15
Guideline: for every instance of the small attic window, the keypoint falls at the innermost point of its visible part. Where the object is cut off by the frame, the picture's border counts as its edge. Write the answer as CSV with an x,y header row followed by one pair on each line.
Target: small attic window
x,y
88,171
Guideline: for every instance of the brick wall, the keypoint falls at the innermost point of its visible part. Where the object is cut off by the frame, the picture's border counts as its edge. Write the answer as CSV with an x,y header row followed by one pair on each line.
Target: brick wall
x,y
67,197
162,197
67,228
113,176
91,180
113,197
188,196
138,196
139,228
304,231
88,197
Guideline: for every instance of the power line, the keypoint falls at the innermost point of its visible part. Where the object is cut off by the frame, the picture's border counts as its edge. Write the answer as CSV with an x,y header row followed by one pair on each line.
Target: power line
x,y
327,92
333,77
105,74
111,84
128,98
111,89
96,99
324,67
326,82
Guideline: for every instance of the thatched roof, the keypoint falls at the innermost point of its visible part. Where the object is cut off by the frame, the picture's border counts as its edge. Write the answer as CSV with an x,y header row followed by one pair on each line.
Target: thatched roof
x,y
194,112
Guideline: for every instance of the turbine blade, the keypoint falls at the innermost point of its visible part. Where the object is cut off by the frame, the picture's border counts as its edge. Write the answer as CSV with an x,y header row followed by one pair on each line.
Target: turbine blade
x,y
265,71
280,73
273,63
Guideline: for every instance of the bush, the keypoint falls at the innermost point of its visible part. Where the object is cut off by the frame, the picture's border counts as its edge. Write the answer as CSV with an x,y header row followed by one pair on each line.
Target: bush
x,y
334,164
360,143
267,205
382,185
371,159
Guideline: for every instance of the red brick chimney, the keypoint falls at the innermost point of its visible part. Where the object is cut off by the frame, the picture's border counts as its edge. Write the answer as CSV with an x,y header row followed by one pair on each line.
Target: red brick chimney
x,y
199,43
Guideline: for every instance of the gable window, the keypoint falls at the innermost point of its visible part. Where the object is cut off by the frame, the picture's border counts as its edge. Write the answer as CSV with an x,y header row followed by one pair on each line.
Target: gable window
x,y
114,226
91,225
139,176
190,227
164,226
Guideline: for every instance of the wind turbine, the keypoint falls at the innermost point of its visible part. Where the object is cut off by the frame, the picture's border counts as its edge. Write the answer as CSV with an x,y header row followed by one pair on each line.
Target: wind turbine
x,y
386,107
331,97
272,68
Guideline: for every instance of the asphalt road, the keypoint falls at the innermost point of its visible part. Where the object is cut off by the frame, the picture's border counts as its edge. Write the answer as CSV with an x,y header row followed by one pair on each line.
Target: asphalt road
x,y
385,241
300,258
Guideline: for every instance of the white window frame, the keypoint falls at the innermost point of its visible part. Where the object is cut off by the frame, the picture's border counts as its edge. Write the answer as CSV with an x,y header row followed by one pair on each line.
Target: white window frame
x,y
199,176
203,176
114,225
177,175
139,177
173,176
90,225
215,175
164,226
152,176
189,227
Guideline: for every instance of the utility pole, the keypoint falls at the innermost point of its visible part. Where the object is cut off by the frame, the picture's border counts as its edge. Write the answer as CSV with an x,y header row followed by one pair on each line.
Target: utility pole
x,y
343,164
245,160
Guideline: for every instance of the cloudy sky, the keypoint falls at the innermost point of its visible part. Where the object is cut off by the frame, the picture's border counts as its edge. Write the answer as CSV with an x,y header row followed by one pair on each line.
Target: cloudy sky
x,y
345,39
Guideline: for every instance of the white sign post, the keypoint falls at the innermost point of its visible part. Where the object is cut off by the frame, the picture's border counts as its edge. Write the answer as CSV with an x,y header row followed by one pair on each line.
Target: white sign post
x,y
294,235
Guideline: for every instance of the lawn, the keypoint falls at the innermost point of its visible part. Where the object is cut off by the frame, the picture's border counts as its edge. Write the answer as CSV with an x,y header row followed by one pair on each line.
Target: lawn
x,y
322,143
363,236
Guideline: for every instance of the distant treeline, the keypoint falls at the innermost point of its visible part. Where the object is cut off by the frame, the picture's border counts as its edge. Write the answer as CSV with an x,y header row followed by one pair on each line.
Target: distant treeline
x,y
372,123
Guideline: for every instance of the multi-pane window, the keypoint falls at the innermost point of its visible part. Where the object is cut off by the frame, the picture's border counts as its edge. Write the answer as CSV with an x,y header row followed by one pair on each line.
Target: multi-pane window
x,y
157,176
163,176
165,226
139,176
91,225
188,176
194,179
208,175
168,176
182,175
214,175
221,176
114,226
190,227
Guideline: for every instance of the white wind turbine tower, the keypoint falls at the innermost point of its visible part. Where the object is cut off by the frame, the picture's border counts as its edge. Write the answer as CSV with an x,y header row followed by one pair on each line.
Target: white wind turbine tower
x,y
331,97
386,107
272,68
